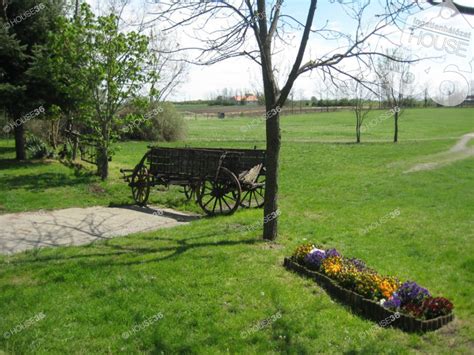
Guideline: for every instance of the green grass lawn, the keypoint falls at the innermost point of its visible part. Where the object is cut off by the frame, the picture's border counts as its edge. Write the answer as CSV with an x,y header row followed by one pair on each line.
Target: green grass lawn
x,y
213,280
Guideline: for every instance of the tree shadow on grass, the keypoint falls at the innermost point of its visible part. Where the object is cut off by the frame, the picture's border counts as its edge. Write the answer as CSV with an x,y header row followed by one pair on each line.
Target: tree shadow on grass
x,y
15,164
112,250
38,182
6,150
168,213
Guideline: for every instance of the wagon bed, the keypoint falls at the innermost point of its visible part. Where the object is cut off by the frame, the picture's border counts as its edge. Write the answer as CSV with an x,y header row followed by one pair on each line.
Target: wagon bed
x,y
220,180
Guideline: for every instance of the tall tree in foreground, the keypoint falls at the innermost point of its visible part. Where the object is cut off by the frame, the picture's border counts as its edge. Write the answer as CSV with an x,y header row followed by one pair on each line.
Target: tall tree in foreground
x,y
24,25
257,29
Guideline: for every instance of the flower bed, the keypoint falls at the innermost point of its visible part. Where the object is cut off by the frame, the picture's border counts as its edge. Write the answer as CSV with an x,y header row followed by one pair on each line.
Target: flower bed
x,y
377,297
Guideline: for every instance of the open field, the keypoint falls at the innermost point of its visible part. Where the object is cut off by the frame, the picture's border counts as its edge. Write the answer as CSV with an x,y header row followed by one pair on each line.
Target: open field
x,y
199,111
213,280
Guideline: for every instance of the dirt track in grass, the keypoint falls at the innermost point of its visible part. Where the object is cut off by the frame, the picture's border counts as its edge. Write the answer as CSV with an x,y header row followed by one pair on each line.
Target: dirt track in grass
x,y
461,150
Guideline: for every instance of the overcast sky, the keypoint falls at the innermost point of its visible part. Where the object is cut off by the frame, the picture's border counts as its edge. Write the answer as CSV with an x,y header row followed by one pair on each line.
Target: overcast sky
x,y
243,74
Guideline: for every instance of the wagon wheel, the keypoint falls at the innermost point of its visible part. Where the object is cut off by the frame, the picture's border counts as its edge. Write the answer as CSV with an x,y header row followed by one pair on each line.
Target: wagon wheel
x,y
254,196
190,191
221,195
140,185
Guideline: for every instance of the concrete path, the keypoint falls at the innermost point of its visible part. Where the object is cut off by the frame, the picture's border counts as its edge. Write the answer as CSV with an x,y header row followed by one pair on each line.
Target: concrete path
x,y
76,226
459,151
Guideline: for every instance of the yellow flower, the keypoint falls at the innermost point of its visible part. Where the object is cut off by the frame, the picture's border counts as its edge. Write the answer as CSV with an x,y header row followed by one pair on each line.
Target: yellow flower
x,y
301,252
332,266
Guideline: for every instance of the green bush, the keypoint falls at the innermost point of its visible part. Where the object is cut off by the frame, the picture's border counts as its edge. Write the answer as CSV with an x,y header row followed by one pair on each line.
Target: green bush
x,y
161,122
36,148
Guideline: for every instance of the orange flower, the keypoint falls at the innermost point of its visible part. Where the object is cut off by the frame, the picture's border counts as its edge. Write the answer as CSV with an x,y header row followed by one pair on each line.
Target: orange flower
x,y
387,286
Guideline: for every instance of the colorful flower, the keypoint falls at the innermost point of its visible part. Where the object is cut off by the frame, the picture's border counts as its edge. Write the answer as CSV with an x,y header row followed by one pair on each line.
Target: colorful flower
x,y
358,264
393,302
332,252
353,274
436,306
314,259
332,266
388,285
301,252
410,292
367,284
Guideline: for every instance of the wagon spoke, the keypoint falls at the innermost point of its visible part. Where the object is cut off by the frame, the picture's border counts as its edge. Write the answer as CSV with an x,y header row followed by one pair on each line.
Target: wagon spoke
x,y
245,196
227,204
220,203
213,198
214,208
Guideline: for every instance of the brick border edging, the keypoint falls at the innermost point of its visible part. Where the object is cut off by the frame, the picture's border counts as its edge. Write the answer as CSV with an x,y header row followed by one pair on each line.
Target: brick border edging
x,y
368,308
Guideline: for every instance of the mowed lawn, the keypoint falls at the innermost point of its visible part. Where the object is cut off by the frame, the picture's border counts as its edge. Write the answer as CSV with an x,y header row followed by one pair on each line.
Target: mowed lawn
x,y
212,282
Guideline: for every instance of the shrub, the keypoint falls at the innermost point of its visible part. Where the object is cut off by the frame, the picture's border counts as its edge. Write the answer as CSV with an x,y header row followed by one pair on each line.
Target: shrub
x,y
36,148
161,122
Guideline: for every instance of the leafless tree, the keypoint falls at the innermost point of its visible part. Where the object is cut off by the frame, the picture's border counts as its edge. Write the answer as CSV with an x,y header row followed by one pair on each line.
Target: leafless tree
x,y
397,83
172,70
361,97
259,29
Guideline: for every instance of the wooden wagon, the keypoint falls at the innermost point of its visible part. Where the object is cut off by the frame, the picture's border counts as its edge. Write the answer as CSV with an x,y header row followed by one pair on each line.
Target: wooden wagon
x,y
220,180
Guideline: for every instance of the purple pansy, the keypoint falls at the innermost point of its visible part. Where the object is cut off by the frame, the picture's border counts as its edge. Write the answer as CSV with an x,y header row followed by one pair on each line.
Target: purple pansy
x,y
315,258
332,252
412,293
393,302
359,264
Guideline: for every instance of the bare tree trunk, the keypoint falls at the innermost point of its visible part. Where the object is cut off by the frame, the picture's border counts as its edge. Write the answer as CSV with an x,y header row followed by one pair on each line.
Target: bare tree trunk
x,y
270,229
103,162
20,140
103,153
75,145
76,10
395,136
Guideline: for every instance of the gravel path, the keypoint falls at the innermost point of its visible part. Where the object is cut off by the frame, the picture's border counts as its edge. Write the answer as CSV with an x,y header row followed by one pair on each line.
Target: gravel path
x,y
76,226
